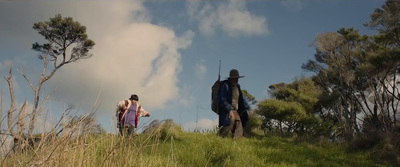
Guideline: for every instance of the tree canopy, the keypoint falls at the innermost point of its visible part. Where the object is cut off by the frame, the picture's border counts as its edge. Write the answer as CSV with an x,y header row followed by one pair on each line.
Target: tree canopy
x,y
61,33
293,106
360,72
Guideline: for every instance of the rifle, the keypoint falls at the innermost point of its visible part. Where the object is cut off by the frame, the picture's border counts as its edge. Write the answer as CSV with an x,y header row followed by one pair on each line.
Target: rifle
x,y
219,71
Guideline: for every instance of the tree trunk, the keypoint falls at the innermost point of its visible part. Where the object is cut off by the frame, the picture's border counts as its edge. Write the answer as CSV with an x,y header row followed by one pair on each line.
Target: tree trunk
x,y
12,105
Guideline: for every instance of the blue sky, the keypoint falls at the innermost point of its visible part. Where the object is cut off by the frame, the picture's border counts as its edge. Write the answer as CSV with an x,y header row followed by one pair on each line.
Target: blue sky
x,y
167,52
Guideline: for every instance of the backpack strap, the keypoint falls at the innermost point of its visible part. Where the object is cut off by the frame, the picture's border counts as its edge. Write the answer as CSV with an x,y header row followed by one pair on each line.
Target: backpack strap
x,y
123,113
139,107
226,85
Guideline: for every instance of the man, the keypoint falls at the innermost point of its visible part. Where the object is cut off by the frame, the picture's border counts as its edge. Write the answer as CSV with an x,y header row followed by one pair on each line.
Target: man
x,y
128,112
233,108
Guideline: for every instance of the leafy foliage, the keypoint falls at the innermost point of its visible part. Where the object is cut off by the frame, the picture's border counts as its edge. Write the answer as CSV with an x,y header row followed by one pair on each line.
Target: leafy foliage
x,y
250,98
253,127
294,106
163,129
359,73
62,33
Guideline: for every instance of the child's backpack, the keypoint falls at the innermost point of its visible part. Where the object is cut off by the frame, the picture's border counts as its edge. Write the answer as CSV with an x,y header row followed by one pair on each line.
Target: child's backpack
x,y
122,112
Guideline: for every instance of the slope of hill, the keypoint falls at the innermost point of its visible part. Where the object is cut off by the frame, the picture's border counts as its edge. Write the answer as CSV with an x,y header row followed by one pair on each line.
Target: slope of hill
x,y
188,149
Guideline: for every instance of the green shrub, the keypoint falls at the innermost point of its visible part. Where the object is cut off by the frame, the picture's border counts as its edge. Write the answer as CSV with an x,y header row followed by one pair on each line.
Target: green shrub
x,y
164,130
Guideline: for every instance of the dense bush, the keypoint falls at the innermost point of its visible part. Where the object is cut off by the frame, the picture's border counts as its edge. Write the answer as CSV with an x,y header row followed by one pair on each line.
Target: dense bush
x,y
164,129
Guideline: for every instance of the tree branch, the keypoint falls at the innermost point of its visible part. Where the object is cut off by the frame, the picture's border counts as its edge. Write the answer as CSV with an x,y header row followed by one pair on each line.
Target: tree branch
x,y
1,107
21,120
26,78
47,99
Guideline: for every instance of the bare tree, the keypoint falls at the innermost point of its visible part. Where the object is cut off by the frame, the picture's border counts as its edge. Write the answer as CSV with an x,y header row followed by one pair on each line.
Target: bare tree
x,y
67,43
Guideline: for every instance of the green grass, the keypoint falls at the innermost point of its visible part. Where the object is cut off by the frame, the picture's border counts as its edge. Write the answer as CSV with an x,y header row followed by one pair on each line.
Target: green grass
x,y
189,149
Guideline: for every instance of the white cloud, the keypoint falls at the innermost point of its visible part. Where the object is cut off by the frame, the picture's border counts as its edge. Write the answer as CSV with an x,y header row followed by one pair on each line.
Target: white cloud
x,y
16,64
131,54
232,17
5,64
185,97
201,69
186,39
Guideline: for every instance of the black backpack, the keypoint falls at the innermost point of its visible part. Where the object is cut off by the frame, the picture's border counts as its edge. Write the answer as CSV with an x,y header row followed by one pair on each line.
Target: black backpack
x,y
215,92
214,96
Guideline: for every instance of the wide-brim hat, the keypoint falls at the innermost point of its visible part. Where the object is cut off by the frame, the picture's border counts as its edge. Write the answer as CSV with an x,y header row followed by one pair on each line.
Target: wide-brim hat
x,y
234,74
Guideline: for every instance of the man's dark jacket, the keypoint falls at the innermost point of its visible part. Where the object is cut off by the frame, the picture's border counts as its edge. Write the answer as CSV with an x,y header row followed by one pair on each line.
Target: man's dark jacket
x,y
225,105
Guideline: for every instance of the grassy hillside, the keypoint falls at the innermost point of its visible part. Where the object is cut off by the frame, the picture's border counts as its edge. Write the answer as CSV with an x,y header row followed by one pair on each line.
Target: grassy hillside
x,y
187,149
